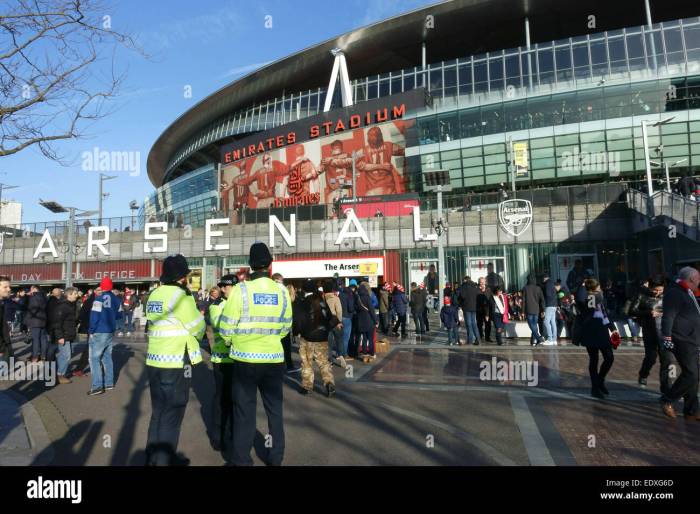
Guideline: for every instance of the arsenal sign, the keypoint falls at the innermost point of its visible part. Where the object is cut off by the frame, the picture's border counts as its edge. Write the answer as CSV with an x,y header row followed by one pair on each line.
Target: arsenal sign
x,y
515,216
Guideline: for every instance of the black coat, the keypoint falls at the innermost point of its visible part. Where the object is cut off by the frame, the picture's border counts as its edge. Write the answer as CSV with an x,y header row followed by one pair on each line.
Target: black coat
x,y
468,294
63,323
312,318
681,319
588,330
533,299
36,311
5,341
84,315
366,317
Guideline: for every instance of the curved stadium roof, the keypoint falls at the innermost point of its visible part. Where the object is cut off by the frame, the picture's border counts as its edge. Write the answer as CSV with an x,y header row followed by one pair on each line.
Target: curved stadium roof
x,y
462,28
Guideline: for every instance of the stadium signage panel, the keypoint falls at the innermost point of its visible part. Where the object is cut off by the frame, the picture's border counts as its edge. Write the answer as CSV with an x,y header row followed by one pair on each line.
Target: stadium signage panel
x,y
315,268
336,121
155,240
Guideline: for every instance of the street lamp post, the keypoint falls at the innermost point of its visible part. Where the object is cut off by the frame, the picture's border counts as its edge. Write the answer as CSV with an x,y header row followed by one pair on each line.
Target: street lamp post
x,y
647,162
103,177
439,181
57,208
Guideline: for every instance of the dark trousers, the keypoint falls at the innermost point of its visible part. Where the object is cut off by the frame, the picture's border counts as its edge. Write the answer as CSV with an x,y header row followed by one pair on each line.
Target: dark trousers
x,y
384,322
400,322
84,360
170,390
222,404
40,342
287,346
500,327
484,325
354,338
247,380
367,342
652,350
425,319
418,320
686,385
598,375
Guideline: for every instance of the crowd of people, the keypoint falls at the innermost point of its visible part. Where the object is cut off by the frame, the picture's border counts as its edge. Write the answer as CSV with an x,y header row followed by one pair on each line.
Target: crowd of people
x,y
53,323
249,321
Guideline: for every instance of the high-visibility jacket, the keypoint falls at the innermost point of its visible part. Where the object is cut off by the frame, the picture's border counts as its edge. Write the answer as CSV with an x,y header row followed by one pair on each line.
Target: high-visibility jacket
x,y
257,315
176,326
220,350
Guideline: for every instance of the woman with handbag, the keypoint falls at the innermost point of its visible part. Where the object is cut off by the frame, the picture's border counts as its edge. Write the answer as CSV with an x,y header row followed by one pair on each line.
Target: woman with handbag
x,y
592,329
499,312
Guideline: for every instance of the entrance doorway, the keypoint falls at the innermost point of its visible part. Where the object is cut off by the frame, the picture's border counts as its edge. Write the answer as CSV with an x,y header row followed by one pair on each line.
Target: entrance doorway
x,y
477,267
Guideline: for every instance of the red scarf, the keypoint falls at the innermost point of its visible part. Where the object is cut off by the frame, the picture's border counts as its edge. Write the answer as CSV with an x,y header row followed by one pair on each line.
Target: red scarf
x,y
684,285
505,308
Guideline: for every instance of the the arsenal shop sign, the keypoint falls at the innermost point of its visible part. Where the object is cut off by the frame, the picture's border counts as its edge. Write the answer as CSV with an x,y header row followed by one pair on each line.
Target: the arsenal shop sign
x,y
319,268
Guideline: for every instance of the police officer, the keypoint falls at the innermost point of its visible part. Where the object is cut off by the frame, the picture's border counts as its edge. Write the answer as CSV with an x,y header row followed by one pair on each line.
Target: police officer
x,y
222,408
257,315
175,329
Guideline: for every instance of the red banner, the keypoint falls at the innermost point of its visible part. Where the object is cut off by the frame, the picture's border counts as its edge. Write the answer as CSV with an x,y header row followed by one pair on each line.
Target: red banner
x,y
33,273
118,270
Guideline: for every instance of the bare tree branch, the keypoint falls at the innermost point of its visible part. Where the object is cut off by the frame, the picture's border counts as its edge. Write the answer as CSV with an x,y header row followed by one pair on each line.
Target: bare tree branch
x,y
50,61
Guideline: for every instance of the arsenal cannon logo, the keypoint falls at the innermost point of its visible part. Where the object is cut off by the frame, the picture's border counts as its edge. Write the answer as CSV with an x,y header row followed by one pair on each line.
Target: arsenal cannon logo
x,y
515,216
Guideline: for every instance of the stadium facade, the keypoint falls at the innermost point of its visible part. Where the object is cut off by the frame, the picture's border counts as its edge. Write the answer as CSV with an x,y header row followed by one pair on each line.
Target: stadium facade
x,y
531,112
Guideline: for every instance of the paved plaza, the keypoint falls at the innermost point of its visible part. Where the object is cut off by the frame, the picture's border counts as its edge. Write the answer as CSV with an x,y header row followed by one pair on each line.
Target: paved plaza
x,y
422,403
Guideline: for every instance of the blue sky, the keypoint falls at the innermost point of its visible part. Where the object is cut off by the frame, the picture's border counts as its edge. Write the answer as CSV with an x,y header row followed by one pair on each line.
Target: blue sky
x,y
206,45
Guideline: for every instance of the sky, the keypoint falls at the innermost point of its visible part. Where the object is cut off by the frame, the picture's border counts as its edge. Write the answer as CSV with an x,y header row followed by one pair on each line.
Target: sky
x,y
199,46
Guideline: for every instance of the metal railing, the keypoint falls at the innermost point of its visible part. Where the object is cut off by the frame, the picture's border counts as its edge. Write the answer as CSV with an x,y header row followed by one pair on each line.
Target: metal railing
x,y
677,208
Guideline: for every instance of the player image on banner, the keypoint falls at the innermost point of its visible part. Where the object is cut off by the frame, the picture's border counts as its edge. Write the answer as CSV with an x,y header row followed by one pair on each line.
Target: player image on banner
x,y
377,174
319,171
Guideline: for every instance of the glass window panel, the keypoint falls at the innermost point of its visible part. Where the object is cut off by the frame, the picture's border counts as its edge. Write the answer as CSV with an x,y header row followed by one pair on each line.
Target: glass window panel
x,y
496,68
436,81
635,48
473,161
384,87
495,168
568,139
371,90
512,66
409,81
470,123
480,83
497,148
492,119
428,130
448,127
598,53
539,153
361,93
517,116
450,155
465,79
563,57
672,38
475,181
471,152
589,137
580,55
692,36
473,172
395,85
543,142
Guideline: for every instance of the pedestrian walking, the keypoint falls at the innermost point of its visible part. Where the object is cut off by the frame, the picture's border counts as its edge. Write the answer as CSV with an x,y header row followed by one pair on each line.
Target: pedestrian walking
x,y
367,321
551,302
468,295
450,320
84,329
5,338
36,323
533,306
416,304
313,322
399,304
335,334
647,308
499,312
680,329
63,326
104,315
592,329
